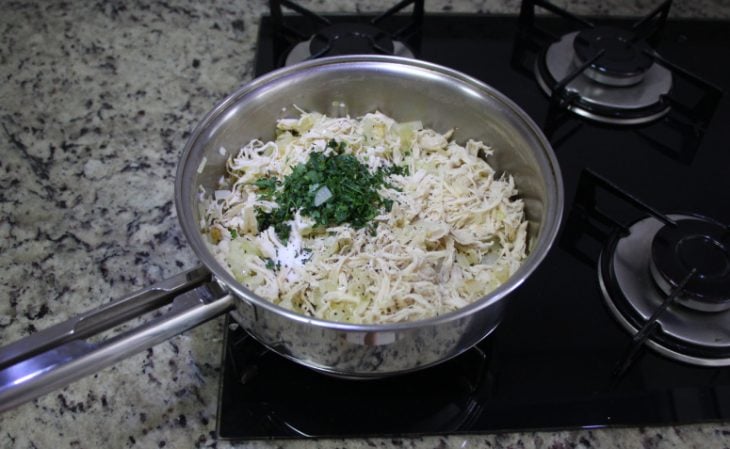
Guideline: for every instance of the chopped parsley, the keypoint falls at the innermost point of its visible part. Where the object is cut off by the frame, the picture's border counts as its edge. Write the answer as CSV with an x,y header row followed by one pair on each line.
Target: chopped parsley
x,y
266,186
339,148
332,189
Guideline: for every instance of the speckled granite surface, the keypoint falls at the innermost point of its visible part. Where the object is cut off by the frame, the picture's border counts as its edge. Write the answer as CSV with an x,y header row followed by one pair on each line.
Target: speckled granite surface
x,y
96,101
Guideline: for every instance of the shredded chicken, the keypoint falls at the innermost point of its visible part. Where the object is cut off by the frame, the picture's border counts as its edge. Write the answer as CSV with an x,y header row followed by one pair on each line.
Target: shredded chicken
x,y
454,233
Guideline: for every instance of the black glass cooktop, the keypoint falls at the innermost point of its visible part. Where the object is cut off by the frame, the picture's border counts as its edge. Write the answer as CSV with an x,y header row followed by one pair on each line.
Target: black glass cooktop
x,y
558,359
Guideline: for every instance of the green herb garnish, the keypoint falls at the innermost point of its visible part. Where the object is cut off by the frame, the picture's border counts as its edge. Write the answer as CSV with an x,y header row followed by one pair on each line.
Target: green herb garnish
x,y
266,186
331,189
234,233
338,147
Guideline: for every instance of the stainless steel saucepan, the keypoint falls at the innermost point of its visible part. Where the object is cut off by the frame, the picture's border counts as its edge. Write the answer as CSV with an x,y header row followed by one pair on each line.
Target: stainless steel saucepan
x,y
405,89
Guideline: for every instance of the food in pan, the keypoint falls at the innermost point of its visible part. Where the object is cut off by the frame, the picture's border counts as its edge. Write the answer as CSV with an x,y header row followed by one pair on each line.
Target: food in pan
x,y
365,220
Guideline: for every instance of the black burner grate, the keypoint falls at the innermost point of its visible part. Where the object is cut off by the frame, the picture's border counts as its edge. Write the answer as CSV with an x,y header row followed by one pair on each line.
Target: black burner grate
x,y
350,38
388,33
658,318
687,107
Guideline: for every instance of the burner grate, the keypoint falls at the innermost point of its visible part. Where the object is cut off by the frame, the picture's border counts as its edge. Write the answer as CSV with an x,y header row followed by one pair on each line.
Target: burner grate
x,y
324,36
658,319
557,59
594,93
350,38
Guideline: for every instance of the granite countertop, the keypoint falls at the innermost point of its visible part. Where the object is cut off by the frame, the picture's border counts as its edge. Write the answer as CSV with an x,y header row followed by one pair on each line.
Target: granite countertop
x,y
96,102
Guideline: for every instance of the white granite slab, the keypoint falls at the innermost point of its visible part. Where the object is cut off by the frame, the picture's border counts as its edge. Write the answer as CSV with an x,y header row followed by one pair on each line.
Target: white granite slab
x,y
96,102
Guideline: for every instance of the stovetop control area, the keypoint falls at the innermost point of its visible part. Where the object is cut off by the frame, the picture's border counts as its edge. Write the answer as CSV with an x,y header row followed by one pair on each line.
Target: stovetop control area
x,y
627,321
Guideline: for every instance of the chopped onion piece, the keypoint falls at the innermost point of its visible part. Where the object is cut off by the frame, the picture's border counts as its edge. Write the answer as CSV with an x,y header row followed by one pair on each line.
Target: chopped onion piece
x,y
322,195
222,194
202,164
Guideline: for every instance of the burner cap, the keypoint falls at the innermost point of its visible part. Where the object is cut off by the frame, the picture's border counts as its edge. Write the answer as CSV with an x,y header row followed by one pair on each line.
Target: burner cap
x,y
700,244
624,62
350,38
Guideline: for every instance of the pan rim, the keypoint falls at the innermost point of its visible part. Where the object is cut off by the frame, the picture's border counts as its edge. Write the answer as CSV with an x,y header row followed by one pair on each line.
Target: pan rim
x,y
548,229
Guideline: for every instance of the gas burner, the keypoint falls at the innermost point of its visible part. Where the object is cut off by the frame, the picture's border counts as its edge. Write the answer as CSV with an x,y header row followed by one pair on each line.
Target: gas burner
x,y
631,264
350,38
622,84
345,39
700,244
272,395
624,61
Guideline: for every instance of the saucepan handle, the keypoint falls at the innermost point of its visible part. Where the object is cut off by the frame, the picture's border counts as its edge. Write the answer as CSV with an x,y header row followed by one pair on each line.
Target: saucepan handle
x,y
55,357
